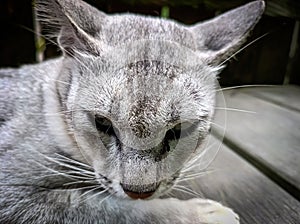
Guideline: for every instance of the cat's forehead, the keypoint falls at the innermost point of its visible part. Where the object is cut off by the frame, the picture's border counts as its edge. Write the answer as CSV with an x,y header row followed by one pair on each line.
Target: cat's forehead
x,y
127,27
149,85
152,70
145,96
154,89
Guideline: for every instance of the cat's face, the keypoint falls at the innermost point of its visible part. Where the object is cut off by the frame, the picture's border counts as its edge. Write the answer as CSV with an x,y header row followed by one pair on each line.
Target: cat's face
x,y
141,93
138,123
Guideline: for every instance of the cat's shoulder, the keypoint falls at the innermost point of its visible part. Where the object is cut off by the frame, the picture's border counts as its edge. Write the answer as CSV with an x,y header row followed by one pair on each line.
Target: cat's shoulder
x,y
23,84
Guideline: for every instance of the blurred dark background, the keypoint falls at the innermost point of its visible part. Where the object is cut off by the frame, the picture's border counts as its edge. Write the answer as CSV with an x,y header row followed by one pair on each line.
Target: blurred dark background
x,y
273,59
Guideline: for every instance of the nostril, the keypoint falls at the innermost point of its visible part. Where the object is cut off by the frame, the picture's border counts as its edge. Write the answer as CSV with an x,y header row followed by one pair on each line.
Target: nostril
x,y
139,195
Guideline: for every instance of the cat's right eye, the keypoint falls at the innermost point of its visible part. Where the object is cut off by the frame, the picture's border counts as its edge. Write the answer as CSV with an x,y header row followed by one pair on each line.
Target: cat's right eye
x,y
104,125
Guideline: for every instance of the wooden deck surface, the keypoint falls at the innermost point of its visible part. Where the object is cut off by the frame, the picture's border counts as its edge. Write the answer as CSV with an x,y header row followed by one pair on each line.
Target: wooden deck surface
x,y
256,170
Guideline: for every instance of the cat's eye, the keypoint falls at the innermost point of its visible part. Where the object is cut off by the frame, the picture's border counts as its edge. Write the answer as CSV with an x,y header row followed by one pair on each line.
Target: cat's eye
x,y
104,125
174,133
181,130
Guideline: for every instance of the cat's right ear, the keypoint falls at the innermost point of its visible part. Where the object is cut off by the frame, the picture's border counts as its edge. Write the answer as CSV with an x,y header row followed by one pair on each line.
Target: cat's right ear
x,y
75,24
221,37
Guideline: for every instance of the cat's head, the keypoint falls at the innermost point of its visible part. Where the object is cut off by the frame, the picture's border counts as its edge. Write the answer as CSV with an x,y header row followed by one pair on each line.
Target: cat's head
x,y
140,91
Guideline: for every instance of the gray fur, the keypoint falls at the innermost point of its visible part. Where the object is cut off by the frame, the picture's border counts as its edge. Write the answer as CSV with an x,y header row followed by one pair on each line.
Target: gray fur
x,y
146,75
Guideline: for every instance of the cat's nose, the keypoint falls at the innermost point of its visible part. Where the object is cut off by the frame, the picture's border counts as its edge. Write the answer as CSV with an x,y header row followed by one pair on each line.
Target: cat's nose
x,y
139,195
139,191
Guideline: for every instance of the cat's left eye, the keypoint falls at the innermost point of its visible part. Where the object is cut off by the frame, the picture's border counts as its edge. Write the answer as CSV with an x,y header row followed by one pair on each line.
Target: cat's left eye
x,y
174,133
104,125
180,130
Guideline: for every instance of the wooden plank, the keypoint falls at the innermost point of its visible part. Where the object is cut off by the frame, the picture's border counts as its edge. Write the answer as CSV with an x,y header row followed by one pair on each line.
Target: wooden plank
x,y
271,135
237,184
286,96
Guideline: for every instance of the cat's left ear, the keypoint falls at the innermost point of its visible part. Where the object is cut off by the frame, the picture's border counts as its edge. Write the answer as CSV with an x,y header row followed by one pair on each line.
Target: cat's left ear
x,y
222,36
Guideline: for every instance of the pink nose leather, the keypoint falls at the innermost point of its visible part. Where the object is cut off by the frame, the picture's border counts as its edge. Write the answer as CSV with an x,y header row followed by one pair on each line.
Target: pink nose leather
x,y
138,195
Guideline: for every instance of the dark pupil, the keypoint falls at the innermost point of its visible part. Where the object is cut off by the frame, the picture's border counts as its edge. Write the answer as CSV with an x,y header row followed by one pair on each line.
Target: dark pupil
x,y
171,134
104,125
174,133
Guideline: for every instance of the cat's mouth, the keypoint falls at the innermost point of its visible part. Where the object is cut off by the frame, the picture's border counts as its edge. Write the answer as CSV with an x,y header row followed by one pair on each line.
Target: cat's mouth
x,y
140,192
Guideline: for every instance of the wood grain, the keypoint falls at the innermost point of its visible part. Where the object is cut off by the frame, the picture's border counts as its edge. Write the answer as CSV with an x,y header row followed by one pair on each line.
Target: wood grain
x,y
269,132
285,96
237,184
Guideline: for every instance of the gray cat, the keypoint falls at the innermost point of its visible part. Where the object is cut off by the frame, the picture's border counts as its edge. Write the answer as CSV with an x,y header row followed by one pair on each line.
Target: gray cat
x,y
100,134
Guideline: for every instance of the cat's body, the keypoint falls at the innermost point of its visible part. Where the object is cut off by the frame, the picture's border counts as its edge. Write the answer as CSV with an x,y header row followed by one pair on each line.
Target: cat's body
x,y
117,118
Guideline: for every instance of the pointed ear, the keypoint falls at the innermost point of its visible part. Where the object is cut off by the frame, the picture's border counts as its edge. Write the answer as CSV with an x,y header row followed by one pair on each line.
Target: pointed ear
x,y
75,24
221,37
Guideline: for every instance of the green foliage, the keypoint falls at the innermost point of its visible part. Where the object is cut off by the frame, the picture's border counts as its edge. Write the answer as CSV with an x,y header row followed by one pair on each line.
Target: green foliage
x,y
40,44
165,12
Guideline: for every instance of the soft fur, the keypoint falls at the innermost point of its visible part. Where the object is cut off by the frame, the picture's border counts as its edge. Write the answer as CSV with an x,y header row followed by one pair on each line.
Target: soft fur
x,y
82,134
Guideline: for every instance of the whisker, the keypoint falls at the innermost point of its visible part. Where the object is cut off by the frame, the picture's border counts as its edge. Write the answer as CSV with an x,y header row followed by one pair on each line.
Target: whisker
x,y
95,195
243,48
213,158
58,173
75,189
186,190
192,172
89,191
235,110
68,165
84,174
243,86
191,164
64,158
79,182
106,198
170,194
88,176
62,112
59,81
218,125
194,176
